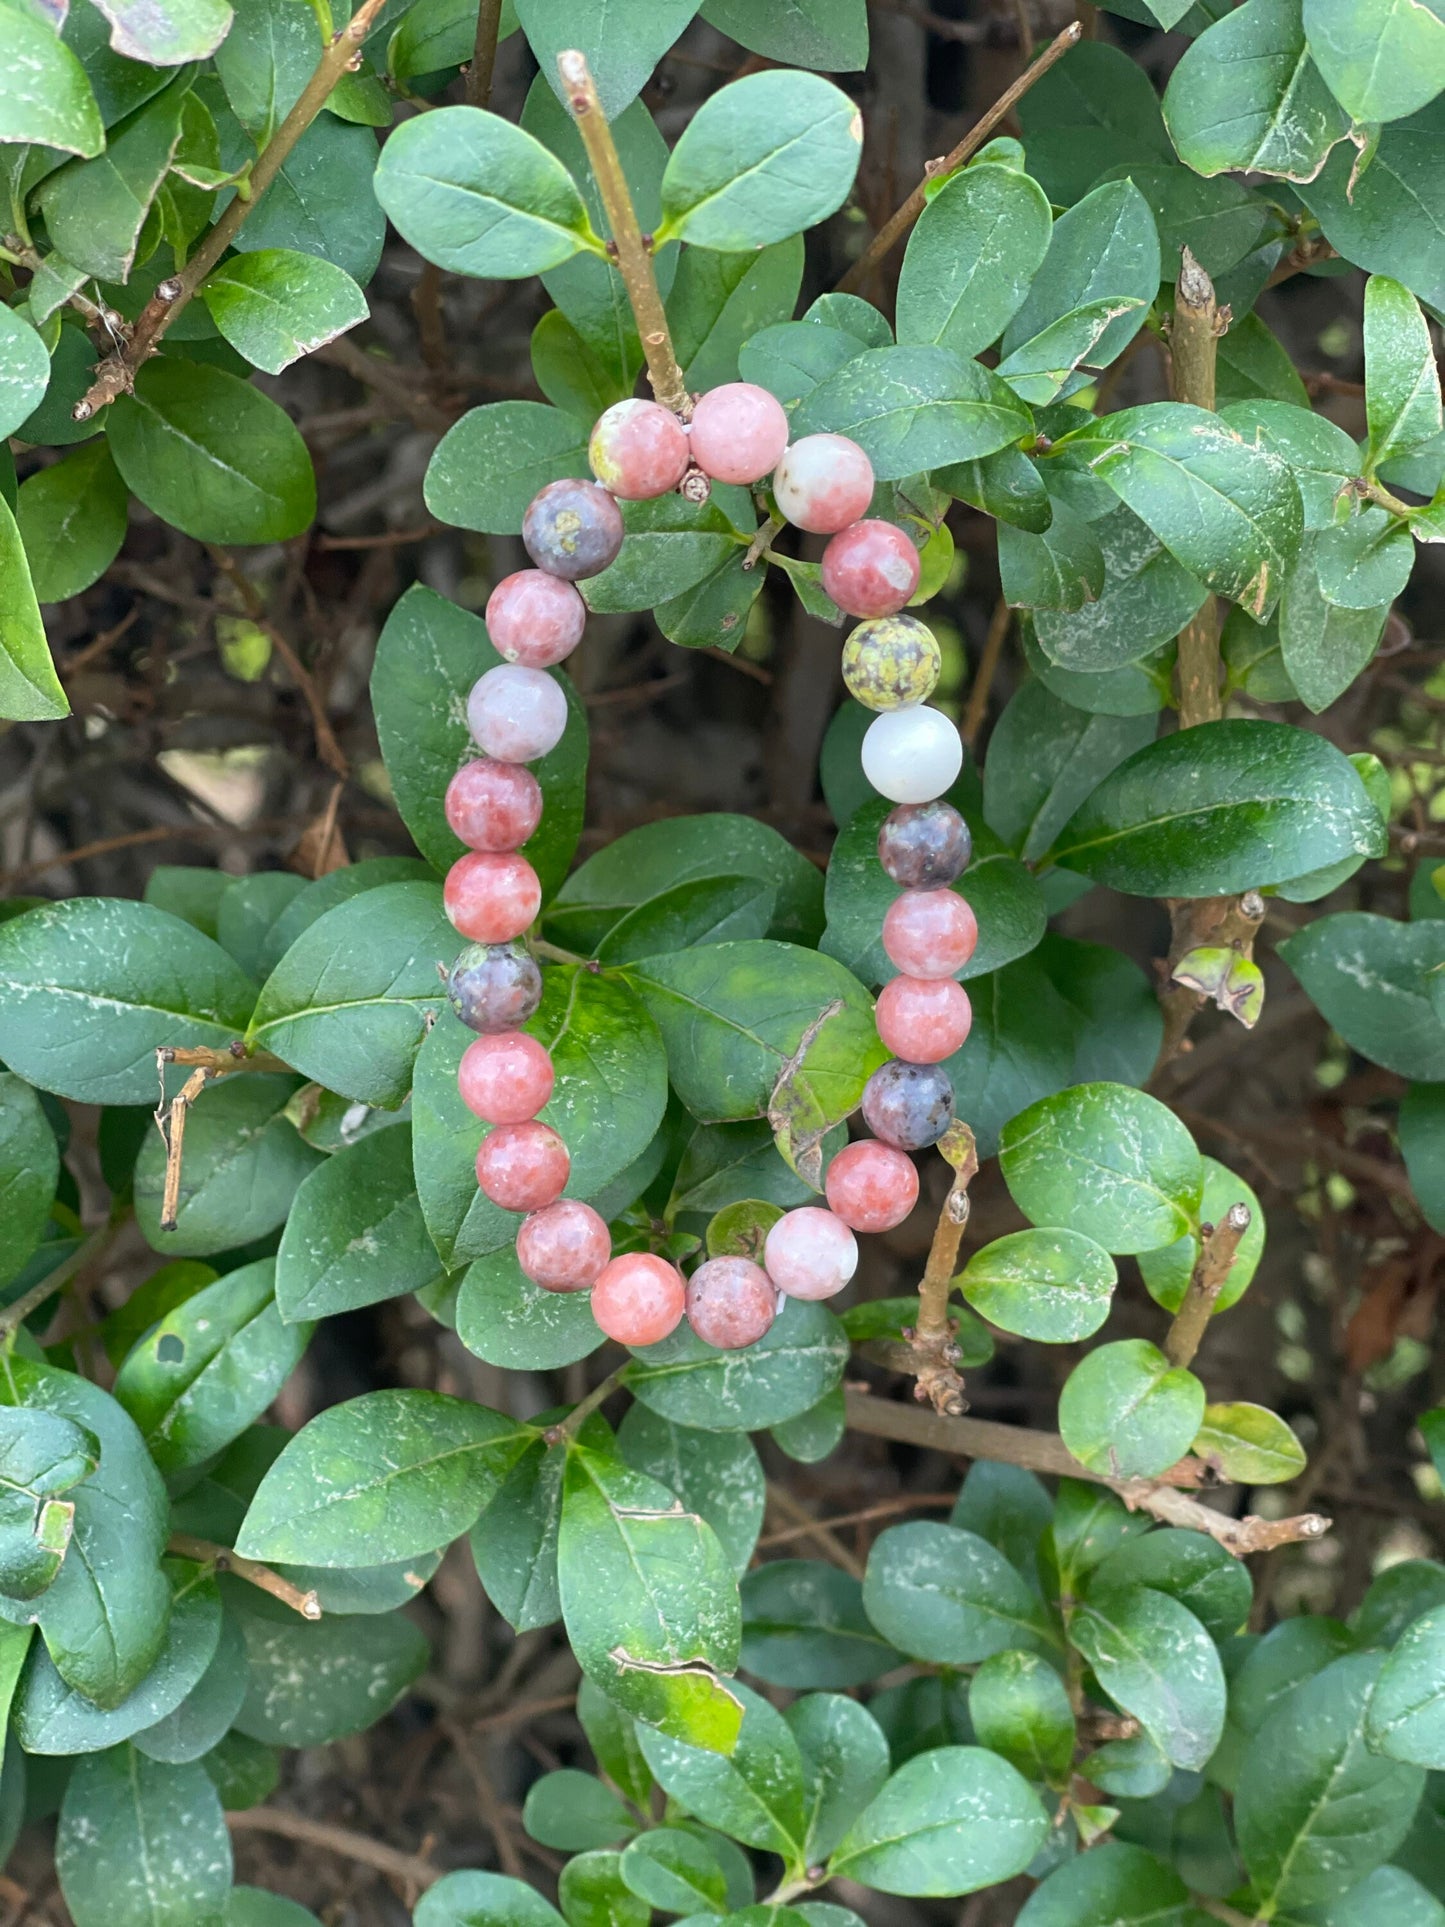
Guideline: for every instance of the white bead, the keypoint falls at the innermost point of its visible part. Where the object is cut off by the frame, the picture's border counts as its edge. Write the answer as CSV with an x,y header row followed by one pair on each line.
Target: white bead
x,y
517,714
810,1253
912,755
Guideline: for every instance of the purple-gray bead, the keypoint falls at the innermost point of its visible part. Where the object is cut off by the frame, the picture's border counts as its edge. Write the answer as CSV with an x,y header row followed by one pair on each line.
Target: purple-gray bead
x,y
908,1105
572,529
494,986
924,846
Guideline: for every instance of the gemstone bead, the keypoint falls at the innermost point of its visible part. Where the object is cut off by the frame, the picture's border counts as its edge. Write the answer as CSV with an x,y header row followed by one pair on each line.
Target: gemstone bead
x,y
731,1302
494,986
639,1298
517,714
924,1019
823,483
535,619
638,449
505,1078
739,432
923,846
492,805
572,529
871,569
810,1253
564,1246
911,755
871,1186
523,1167
491,896
929,933
892,662
908,1105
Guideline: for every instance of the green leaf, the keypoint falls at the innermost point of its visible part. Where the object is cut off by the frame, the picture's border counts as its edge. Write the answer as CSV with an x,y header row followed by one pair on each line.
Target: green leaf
x,y
1374,981
1389,221
942,1594
649,1601
797,1361
755,1793
29,1168
313,1681
1244,805
42,1456
170,36
720,301
1324,458
1050,1285
1154,1660
1396,1597
351,1000
845,1765
1126,1413
1106,1161
593,1894
1365,562
828,34
676,1870
478,195
1382,59
244,1160
761,159
621,49
506,1320
1190,1567
514,1543
428,656
1020,1710
1247,97
1146,599
1256,367
483,1900
210,1368
572,1812
1005,485
949,1822
804,1626
1094,110
1167,1272
716,1475
24,368
95,209
45,97
672,545
211,455
707,910
1103,253
72,520
1063,568
1422,1145
30,690
275,305
1402,384
1389,1893
913,408
356,1234
156,979
1115,1882
141,1844
1250,1445
252,1907
792,358
1406,1715
204,1716
971,256
1314,1809
1045,759
1220,221
489,465
312,204
1323,645
1039,369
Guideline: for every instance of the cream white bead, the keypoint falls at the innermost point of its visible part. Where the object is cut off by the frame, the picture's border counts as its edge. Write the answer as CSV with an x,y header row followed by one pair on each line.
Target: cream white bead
x,y
912,755
515,714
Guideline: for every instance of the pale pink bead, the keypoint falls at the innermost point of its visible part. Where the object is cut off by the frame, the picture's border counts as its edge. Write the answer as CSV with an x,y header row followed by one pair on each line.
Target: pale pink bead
x,y
493,806
505,1078
923,1019
535,619
731,1302
517,714
871,569
810,1253
638,450
491,896
739,432
823,483
929,933
523,1167
564,1247
639,1298
871,1187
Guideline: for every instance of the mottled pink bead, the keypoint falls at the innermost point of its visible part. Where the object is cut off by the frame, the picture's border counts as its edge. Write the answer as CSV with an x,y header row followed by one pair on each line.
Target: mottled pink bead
x,y
523,1167
810,1253
739,432
639,1298
638,449
823,483
564,1247
490,896
493,806
871,569
871,1187
505,1078
517,714
923,1019
535,619
929,933
731,1302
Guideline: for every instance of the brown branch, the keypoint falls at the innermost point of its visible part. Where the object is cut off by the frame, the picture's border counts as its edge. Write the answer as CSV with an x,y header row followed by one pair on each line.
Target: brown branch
x,y
988,663
1218,1245
818,1530
634,257
197,832
1201,922
484,59
406,1867
1197,323
934,1349
885,1509
171,1114
116,375
899,222
222,1559
1239,1536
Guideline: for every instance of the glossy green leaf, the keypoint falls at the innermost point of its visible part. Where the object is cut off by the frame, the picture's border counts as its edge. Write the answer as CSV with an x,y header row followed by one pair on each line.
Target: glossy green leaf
x,y
312,204
828,34
672,545
755,1793
914,407
24,369
72,520
593,1893
717,1475
44,94
804,1626
676,1870
1062,568
971,257
1365,562
1167,1272
1154,1660
317,1681
29,1167
30,690
573,1812
95,209
621,49
253,1907
1126,1413
845,1764
1402,384
489,465
1388,221
1051,1285
1115,1882
276,305
1045,759
1190,1567
1020,1710
356,1234
203,1718
1422,1145
1103,252
506,1320
514,1543
1396,1597
1247,97
1147,597
950,1821
244,1160
1094,110
1375,982
1382,59
718,302
795,1363
1249,1444
939,1593
141,1844
1406,1715
1323,645
483,1900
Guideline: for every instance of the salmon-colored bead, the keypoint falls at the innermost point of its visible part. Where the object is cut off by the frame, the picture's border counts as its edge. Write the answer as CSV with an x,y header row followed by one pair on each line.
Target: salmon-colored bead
x,y
491,897
823,483
810,1253
564,1247
535,619
505,1078
523,1167
731,1302
923,1019
739,432
493,806
639,1298
871,1187
930,933
638,450
871,569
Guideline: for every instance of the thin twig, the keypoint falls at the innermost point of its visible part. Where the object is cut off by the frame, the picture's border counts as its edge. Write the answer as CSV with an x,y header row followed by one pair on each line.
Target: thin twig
x,y
570,1426
196,832
1239,1536
1218,1245
903,218
988,663
15,1314
820,1531
935,1351
406,1867
222,1559
171,1114
886,1509
484,58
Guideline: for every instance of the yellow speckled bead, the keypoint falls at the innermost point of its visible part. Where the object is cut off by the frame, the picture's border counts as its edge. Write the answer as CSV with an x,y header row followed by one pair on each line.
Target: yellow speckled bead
x,y
891,662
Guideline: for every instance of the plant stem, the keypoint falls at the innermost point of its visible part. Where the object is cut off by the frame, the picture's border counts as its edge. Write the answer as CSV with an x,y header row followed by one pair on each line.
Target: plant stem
x,y
899,222
206,1553
1193,356
14,1315
634,256
584,1408
408,1868
1218,1245
988,663
934,1350
116,375
484,60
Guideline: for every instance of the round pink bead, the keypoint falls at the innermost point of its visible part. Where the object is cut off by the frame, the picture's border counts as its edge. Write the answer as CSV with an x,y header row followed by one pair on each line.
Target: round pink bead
x,y
871,1187
517,714
810,1253
871,569
929,933
490,896
739,432
923,1019
523,1167
639,1298
638,449
823,483
564,1247
505,1078
493,806
731,1302
535,619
